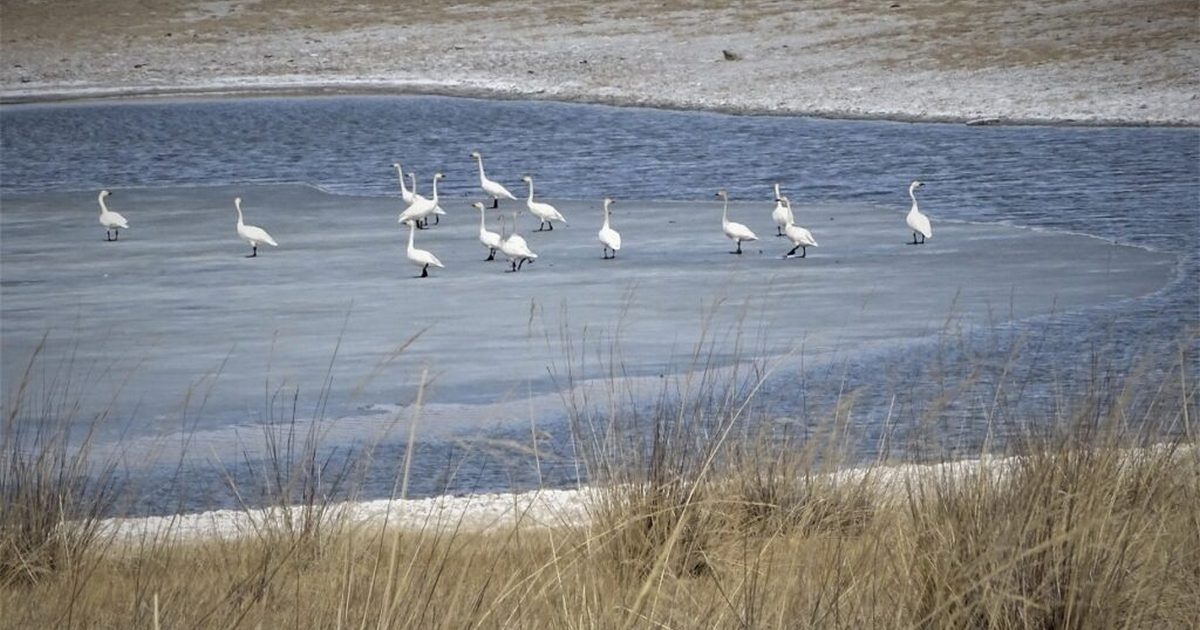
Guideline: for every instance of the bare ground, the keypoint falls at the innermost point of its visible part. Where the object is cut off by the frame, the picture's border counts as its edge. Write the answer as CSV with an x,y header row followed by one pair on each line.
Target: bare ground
x,y
1092,61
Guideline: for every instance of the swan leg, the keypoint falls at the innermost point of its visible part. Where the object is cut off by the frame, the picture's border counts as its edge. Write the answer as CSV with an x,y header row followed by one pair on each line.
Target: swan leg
x,y
914,241
791,253
491,255
253,251
436,219
116,235
804,252
778,231
424,272
551,224
739,248
495,202
107,235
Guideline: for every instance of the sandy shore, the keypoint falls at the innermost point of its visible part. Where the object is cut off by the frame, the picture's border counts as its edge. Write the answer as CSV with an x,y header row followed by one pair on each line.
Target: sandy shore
x,y
1081,61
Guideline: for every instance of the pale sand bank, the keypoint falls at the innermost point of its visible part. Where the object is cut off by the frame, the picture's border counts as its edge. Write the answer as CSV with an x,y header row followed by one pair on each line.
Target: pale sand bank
x,y
1085,61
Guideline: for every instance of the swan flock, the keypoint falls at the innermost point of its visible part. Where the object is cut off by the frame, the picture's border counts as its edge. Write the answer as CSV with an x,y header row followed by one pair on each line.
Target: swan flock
x,y
515,249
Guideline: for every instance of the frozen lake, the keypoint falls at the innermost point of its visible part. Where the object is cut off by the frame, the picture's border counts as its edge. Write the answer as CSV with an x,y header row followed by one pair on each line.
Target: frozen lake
x,y
1081,236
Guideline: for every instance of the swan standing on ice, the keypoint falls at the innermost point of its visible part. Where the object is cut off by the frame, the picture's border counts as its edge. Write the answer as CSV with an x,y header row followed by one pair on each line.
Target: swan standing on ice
x,y
919,223
251,233
515,248
421,207
490,240
800,237
111,220
546,213
407,195
782,214
493,189
420,257
609,238
733,230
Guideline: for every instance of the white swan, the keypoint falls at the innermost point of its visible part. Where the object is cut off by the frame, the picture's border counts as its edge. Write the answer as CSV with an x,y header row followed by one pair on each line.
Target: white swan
x,y
111,220
609,238
251,233
800,237
490,240
437,209
421,207
546,213
919,223
782,214
492,188
420,257
733,230
407,195
515,248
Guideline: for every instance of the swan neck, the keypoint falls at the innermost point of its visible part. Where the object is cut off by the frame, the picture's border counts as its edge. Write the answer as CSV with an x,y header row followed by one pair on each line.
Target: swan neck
x,y
482,221
435,197
482,177
725,211
238,206
400,174
103,206
531,190
412,229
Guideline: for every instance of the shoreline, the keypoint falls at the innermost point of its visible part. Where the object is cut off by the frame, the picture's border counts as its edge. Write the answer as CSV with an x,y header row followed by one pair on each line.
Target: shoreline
x,y
335,88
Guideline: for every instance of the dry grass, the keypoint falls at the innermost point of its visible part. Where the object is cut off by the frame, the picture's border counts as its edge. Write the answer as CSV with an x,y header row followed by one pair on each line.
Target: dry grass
x,y
1093,523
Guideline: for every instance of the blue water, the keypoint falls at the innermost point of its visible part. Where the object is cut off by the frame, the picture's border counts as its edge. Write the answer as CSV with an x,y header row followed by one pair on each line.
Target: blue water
x,y
1138,186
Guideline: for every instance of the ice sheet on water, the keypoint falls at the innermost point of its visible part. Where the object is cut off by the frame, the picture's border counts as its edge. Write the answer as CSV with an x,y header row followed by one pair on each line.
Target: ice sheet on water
x,y
175,304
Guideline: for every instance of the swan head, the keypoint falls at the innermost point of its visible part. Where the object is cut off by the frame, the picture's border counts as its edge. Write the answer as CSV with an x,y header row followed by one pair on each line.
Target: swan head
x,y
237,201
438,176
478,206
722,194
527,179
476,155
607,202
916,185
104,193
395,165
410,222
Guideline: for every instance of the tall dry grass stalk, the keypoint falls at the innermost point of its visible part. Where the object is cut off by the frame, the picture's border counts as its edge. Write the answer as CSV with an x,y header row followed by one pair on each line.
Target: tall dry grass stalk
x,y
701,517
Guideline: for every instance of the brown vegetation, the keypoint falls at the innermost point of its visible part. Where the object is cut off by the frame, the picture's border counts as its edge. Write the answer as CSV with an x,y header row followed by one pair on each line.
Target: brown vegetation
x,y
1092,523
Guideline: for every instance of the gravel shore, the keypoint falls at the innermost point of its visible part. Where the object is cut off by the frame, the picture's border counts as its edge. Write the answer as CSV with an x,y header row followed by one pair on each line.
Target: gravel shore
x,y
1077,61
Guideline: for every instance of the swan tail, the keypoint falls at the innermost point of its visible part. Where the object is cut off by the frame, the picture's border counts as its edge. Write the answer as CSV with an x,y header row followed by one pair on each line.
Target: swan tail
x,y
270,241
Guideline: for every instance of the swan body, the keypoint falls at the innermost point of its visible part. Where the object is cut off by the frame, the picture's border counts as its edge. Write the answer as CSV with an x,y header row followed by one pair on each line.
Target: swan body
x,y
515,249
782,214
801,238
492,188
490,240
112,221
734,231
252,234
917,222
547,213
407,195
421,207
609,238
420,257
